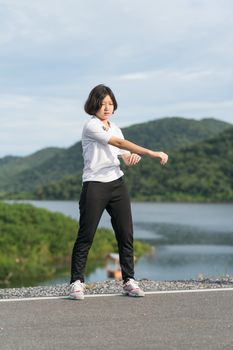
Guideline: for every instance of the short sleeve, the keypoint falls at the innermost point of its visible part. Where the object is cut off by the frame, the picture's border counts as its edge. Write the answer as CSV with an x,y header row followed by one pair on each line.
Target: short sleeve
x,y
96,132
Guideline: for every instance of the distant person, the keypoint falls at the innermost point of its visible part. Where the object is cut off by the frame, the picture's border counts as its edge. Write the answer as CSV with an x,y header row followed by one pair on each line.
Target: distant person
x,y
104,188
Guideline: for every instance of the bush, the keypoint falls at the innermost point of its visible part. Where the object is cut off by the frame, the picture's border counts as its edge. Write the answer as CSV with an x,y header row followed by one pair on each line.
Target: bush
x,y
35,243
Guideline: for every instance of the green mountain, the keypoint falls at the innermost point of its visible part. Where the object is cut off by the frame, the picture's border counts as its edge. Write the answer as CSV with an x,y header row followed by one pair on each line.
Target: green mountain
x,y
56,166
173,133
26,173
7,160
202,172
13,169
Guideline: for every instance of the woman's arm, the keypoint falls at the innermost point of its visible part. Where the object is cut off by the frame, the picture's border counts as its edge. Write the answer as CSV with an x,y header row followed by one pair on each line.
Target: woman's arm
x,y
132,147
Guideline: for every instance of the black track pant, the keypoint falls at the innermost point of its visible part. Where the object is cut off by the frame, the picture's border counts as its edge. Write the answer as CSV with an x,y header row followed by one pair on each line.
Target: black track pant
x,y
95,198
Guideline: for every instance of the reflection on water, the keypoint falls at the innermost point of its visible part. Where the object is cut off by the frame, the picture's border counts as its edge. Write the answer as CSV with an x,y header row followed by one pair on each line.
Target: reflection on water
x,y
185,251
189,239
183,234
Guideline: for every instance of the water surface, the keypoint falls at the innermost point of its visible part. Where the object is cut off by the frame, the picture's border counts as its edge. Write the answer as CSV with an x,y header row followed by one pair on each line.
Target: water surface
x,y
189,240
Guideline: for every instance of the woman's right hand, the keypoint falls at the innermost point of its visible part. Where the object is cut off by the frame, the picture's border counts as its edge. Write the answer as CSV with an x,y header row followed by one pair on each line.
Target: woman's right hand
x,y
163,156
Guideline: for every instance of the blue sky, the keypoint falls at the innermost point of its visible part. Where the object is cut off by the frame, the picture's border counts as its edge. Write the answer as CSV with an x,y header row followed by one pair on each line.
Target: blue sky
x,y
160,57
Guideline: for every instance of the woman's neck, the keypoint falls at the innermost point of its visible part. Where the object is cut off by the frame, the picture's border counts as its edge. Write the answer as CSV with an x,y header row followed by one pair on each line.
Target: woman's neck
x,y
105,122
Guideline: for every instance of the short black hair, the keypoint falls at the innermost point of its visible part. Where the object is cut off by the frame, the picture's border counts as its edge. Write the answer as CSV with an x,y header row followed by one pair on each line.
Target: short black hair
x,y
95,98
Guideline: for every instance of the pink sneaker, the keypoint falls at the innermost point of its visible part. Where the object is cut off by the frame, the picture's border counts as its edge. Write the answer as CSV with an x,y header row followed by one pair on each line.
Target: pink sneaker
x,y
132,289
77,290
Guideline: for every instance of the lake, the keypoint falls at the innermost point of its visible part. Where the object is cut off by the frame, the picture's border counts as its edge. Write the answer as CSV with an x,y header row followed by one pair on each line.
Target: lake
x,y
190,240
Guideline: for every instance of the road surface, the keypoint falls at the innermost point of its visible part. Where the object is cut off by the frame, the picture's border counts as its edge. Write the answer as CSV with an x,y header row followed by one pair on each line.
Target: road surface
x,y
169,321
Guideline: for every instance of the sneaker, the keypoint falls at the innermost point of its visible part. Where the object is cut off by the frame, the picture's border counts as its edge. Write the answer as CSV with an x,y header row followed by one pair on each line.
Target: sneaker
x,y
132,289
77,290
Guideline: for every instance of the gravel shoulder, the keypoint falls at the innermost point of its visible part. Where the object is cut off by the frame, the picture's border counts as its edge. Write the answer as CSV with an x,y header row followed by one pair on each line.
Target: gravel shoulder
x,y
112,287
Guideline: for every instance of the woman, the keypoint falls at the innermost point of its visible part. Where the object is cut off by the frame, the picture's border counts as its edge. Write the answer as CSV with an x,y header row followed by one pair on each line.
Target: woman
x,y
104,188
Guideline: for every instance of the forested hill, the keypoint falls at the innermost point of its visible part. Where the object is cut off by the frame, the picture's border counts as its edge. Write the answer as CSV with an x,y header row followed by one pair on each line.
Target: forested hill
x,y
54,166
173,133
202,172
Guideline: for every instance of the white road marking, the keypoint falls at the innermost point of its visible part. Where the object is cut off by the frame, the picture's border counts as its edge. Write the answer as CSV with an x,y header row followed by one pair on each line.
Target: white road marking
x,y
120,294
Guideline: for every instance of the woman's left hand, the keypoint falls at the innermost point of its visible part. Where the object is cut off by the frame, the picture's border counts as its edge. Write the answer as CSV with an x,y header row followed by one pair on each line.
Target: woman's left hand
x,y
132,159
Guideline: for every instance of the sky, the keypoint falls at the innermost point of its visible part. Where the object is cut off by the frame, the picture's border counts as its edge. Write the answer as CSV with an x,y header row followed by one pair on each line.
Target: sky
x,y
160,57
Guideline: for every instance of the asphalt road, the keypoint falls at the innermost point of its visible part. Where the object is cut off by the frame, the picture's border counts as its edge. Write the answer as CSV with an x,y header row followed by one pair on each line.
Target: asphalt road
x,y
162,321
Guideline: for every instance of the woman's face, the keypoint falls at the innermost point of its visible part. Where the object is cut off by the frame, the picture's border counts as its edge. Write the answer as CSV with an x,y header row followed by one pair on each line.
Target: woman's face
x,y
106,109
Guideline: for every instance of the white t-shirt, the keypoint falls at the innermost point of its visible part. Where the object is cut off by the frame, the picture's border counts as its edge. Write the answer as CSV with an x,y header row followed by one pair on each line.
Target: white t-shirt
x,y
101,161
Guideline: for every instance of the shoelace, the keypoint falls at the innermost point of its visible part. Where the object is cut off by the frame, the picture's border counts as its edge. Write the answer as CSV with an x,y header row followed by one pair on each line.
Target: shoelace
x,y
133,283
78,285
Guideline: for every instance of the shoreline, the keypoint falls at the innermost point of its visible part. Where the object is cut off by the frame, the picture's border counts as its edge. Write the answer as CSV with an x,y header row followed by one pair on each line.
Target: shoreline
x,y
113,287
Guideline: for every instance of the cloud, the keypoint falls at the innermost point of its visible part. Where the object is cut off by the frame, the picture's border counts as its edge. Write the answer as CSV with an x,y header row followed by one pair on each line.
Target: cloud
x,y
32,123
165,74
165,57
133,76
